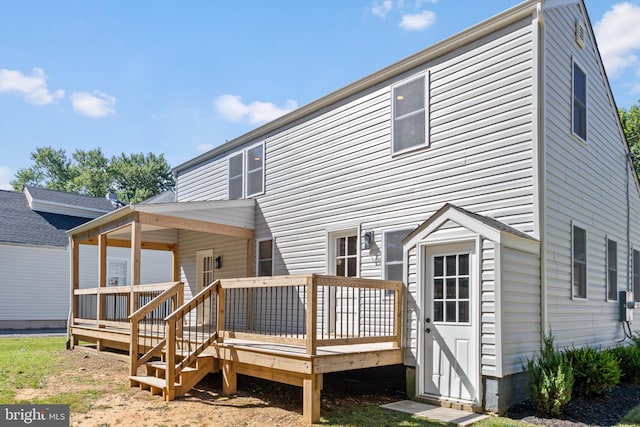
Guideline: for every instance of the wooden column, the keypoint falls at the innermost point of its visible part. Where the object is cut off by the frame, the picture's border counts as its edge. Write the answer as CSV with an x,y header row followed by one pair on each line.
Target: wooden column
x,y
176,263
136,248
312,315
312,387
75,284
229,378
102,283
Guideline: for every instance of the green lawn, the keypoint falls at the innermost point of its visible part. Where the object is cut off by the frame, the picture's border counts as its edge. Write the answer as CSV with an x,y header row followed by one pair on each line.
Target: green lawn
x,y
27,363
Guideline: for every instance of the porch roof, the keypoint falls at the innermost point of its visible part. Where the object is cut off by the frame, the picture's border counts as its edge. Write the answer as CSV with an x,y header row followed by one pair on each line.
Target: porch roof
x,y
491,228
225,214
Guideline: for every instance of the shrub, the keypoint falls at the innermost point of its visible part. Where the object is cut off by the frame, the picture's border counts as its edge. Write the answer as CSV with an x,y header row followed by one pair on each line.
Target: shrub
x,y
550,379
594,371
629,360
636,338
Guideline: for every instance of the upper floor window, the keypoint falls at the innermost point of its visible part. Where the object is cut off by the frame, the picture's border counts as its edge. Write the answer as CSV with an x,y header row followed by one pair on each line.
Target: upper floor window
x,y
265,257
246,173
409,115
612,270
579,102
579,260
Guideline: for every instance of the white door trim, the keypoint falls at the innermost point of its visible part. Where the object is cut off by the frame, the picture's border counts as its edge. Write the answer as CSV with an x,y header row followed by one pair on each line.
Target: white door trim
x,y
424,249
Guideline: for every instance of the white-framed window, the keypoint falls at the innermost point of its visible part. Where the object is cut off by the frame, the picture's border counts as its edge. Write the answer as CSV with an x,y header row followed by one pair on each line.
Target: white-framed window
x,y
612,270
246,173
636,275
409,111
579,104
343,253
392,242
579,262
265,257
236,176
117,272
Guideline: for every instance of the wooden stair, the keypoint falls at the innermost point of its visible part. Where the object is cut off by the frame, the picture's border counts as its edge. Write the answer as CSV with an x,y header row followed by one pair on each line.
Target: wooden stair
x,y
155,380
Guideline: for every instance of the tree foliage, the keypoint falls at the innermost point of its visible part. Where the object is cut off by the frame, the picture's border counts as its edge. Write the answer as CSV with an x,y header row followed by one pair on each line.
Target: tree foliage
x,y
630,120
133,177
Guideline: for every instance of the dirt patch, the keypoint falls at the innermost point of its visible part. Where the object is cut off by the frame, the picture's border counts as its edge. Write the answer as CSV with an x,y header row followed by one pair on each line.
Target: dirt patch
x,y
257,403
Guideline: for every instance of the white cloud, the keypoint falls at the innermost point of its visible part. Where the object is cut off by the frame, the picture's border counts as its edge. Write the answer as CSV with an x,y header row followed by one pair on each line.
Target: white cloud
x,y
96,104
232,108
618,35
381,9
33,87
6,175
418,21
204,147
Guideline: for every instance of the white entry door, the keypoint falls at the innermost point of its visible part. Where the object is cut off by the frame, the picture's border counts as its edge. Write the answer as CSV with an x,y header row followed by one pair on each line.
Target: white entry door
x,y
204,267
450,356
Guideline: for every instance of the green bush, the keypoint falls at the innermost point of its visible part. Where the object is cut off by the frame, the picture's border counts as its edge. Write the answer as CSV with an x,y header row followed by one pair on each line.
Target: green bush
x,y
629,360
594,371
550,379
636,338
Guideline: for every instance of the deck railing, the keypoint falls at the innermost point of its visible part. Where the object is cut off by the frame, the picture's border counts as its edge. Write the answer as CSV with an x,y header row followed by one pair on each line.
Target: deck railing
x,y
111,306
312,311
191,328
148,326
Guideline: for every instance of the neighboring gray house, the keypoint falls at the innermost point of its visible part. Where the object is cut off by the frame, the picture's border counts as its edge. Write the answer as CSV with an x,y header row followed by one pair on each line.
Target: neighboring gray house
x,y
489,172
34,255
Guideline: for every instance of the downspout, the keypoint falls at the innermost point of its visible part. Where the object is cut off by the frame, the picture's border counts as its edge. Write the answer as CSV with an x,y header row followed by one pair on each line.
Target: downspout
x,y
69,344
539,143
628,165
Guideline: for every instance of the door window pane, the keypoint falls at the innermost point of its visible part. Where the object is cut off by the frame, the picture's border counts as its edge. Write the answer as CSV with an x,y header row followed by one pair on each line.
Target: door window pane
x,y
451,288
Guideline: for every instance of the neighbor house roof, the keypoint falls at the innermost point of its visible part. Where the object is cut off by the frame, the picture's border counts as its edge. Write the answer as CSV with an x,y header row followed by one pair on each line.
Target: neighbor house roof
x,y
21,223
45,200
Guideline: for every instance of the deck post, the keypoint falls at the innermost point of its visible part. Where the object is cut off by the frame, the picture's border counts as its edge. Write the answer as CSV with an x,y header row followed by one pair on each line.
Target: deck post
x,y
75,284
229,378
312,314
102,283
220,314
397,318
176,263
136,248
170,372
312,387
133,349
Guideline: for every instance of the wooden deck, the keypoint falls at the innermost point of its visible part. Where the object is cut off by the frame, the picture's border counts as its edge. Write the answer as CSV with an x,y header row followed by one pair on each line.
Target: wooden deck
x,y
333,325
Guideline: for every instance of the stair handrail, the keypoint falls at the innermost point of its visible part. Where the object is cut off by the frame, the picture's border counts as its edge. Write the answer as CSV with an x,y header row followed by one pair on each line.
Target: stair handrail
x,y
176,318
176,290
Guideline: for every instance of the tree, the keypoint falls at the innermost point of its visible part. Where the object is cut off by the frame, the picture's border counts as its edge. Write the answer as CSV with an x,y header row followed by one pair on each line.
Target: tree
x,y
134,177
630,120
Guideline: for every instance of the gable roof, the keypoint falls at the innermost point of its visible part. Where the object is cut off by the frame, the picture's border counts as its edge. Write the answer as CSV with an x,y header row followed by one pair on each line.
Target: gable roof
x,y
514,14
20,224
488,227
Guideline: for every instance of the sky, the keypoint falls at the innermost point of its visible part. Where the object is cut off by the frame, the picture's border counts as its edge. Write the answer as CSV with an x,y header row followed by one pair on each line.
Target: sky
x,y
180,78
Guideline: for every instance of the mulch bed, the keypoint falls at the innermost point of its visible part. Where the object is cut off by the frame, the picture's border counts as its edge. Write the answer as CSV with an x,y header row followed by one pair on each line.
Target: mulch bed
x,y
605,410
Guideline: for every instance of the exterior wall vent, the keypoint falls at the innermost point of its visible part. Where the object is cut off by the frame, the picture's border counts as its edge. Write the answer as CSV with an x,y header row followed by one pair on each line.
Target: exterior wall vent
x,y
581,33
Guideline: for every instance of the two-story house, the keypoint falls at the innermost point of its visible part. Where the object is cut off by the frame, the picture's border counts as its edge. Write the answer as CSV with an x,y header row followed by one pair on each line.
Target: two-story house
x,y
489,173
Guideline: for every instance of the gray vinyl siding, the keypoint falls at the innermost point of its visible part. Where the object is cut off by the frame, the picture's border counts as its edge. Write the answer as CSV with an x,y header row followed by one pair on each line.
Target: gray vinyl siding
x,y
488,332
232,250
520,302
585,182
412,309
35,283
334,170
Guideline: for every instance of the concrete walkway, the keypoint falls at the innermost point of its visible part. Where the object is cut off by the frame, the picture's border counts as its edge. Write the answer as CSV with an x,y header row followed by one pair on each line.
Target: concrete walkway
x,y
436,413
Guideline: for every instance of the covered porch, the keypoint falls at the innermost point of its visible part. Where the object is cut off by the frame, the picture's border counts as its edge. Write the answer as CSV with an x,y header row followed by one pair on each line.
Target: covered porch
x,y
290,329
